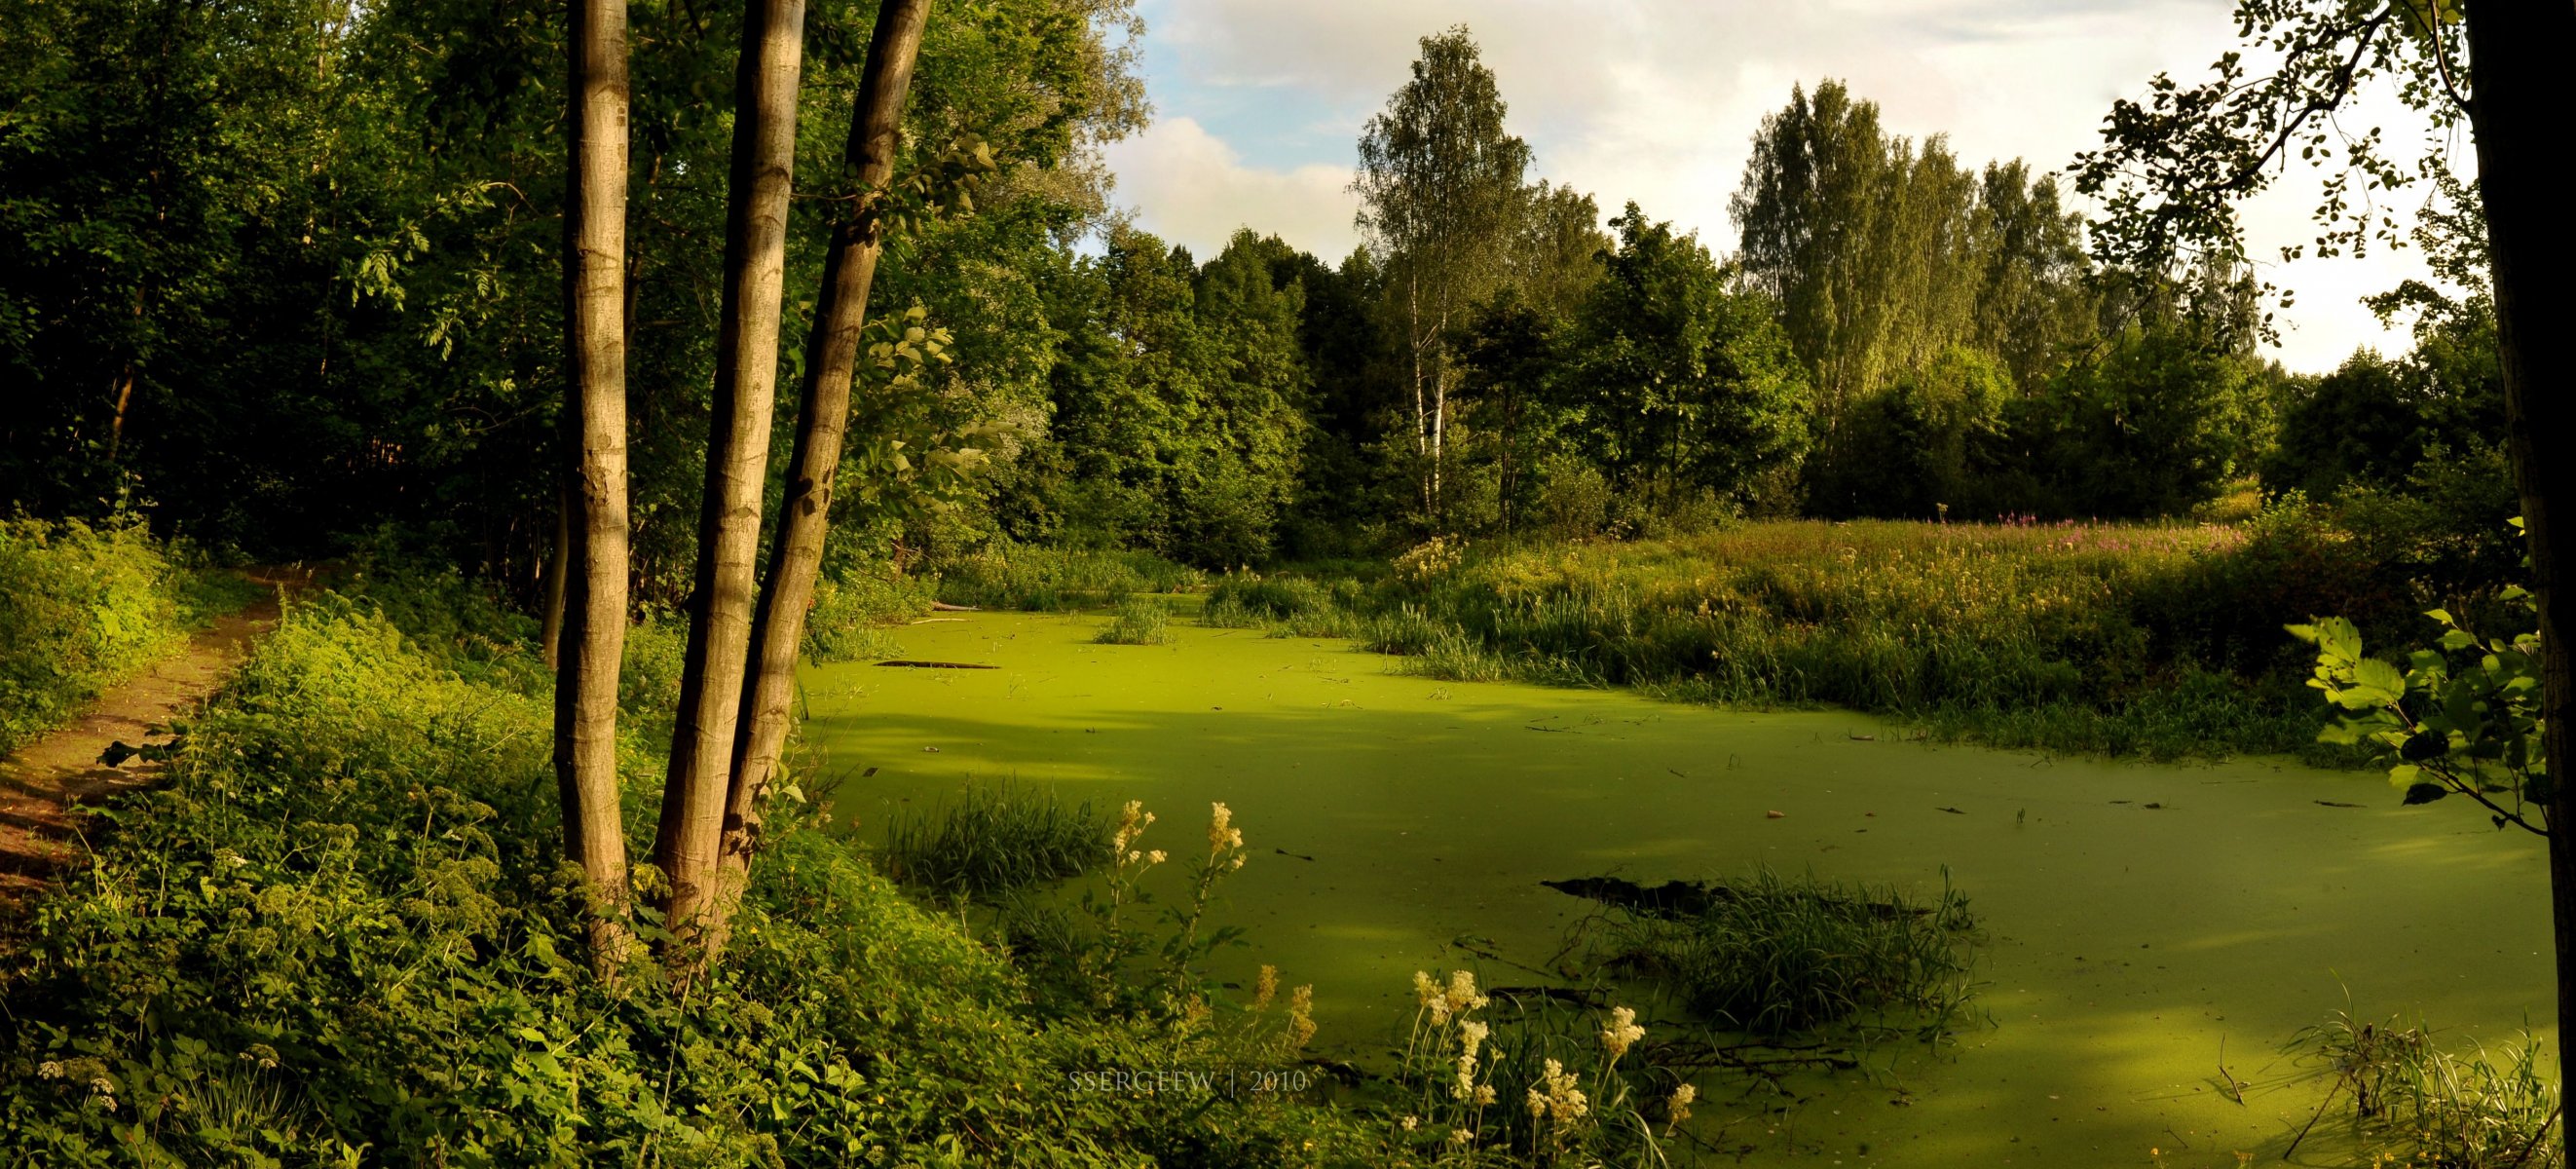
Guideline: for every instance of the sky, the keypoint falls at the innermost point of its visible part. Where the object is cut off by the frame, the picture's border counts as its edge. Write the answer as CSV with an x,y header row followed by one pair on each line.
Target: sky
x,y
1259,106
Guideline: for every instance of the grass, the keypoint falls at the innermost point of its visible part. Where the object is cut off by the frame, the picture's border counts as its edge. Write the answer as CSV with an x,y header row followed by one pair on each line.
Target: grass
x,y
83,608
1042,579
1771,956
2161,640
2412,1103
1138,621
992,839
849,620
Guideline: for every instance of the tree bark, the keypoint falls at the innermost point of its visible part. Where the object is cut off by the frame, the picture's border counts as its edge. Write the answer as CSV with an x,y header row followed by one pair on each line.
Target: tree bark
x,y
2517,62
711,677
832,356
558,564
595,367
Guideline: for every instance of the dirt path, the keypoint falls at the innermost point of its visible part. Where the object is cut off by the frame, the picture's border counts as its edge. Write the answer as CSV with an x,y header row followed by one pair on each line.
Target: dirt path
x,y
43,784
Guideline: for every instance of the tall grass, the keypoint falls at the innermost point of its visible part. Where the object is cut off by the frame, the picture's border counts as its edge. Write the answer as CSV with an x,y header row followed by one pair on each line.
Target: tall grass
x,y
1771,955
83,608
2417,1104
990,839
1138,621
2161,640
1023,576
850,614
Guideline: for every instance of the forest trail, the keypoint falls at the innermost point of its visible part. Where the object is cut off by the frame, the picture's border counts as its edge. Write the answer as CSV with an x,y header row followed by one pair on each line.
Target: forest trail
x,y
43,785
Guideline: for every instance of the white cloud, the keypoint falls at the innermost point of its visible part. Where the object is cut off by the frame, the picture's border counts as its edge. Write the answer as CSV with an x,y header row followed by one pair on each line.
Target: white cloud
x,y
1657,101
1191,188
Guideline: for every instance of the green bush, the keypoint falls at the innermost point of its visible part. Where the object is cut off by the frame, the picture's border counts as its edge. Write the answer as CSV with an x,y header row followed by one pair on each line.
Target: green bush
x,y
341,934
2161,640
83,608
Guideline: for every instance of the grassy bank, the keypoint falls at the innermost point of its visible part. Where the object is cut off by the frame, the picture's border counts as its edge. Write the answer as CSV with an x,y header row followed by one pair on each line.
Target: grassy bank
x,y
2126,639
83,608
340,935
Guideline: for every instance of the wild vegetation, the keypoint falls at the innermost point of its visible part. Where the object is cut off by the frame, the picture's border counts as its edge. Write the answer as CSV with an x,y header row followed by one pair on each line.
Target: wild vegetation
x,y
341,932
502,304
87,608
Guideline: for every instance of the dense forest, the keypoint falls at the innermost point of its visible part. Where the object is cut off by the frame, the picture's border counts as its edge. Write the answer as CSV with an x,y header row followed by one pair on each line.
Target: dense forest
x,y
285,279
472,395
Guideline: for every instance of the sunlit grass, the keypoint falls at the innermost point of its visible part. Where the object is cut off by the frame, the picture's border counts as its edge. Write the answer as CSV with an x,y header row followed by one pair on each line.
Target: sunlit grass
x,y
2116,638
1138,621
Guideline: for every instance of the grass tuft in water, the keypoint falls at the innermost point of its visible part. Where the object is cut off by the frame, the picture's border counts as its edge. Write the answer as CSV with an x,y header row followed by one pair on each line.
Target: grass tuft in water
x,y
2415,1104
1139,621
992,839
1772,955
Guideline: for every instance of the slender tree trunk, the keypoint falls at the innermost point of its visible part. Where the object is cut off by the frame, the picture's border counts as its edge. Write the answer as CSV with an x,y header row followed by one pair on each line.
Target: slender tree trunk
x,y
2517,66
702,740
595,366
832,356
558,565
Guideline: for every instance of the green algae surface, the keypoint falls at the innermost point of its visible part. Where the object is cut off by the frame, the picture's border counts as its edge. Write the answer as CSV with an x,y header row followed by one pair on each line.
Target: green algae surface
x,y
2139,920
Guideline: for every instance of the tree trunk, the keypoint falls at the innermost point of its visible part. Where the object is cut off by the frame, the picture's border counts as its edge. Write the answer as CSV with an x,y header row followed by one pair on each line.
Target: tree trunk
x,y
595,368
702,740
832,356
2517,63
558,563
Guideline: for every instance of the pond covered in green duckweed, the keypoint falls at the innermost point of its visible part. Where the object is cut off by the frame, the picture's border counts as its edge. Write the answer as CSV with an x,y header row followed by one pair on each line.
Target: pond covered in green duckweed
x,y
2136,917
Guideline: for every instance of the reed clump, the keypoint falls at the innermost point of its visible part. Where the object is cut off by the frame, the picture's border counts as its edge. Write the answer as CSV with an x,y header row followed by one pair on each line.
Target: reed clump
x,y
1138,621
991,839
1770,955
2412,1103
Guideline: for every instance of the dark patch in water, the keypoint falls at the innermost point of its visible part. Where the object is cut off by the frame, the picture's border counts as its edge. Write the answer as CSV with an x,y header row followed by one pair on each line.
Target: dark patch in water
x,y
907,662
1675,900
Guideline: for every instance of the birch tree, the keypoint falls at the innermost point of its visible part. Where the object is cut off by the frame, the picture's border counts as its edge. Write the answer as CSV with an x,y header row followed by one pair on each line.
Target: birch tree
x,y
1440,185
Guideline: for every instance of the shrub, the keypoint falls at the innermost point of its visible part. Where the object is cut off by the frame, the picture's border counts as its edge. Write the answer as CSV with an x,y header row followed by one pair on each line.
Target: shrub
x,y
994,838
1024,576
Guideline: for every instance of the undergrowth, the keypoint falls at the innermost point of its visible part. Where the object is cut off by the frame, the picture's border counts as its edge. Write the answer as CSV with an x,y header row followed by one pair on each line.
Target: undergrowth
x,y
341,935
83,608
1026,576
